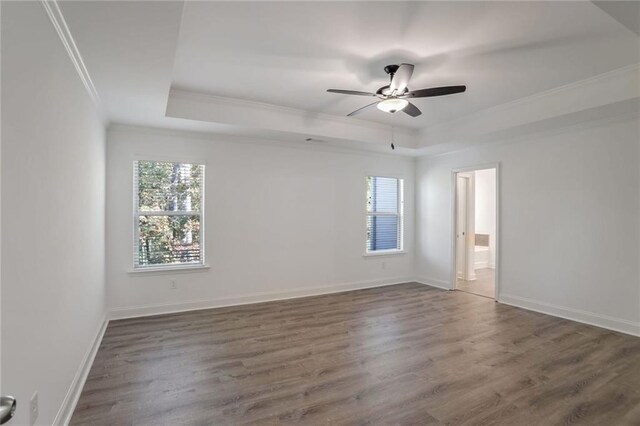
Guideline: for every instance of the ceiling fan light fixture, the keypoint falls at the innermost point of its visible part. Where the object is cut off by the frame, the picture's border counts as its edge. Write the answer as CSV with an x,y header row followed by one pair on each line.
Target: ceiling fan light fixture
x,y
392,105
392,98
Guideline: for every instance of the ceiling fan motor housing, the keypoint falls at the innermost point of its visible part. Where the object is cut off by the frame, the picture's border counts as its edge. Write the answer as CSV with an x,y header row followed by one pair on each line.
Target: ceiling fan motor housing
x,y
391,69
393,97
384,90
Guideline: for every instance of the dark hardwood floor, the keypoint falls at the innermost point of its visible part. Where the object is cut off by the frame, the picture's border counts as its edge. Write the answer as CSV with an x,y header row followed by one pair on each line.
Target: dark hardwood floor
x,y
403,354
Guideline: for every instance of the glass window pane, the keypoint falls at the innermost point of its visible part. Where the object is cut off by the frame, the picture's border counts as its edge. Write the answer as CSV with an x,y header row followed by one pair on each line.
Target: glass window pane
x,y
382,194
164,186
382,233
168,240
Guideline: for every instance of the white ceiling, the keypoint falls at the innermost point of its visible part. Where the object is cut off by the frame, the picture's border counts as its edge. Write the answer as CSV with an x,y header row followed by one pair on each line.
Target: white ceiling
x,y
625,12
288,53
128,48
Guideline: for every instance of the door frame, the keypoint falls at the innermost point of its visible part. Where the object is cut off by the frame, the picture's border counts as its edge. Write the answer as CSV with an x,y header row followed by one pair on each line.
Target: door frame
x,y
454,196
468,259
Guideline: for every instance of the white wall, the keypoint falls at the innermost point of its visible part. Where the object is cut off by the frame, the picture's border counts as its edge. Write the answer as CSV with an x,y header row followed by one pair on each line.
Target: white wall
x,y
485,208
281,220
569,213
53,189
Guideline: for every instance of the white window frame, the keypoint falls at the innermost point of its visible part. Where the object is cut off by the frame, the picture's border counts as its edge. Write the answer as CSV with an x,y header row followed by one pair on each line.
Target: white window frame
x,y
399,215
136,222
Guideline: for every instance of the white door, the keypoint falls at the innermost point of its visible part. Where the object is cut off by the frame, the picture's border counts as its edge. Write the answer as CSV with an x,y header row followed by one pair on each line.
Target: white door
x,y
462,188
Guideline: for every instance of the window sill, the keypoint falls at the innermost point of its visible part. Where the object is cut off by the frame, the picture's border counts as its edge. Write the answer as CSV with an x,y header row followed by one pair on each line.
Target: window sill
x,y
384,253
169,269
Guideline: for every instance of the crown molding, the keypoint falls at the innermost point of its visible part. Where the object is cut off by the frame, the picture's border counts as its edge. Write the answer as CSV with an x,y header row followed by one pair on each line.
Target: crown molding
x,y
580,100
328,146
611,93
214,99
574,85
613,87
60,25
272,118
616,112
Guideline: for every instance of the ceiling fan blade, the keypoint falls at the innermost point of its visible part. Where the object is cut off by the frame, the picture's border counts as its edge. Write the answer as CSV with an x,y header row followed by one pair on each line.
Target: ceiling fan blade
x,y
364,108
435,91
350,92
412,110
401,78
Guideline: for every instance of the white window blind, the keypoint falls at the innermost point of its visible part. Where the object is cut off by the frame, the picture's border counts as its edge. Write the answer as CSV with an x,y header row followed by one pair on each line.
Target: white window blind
x,y
385,204
168,214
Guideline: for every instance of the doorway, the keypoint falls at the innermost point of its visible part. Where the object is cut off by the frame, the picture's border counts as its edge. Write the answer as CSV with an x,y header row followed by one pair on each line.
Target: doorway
x,y
475,231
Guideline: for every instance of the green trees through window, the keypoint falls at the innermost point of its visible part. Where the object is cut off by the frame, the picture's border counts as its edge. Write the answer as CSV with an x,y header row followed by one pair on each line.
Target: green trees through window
x,y
168,199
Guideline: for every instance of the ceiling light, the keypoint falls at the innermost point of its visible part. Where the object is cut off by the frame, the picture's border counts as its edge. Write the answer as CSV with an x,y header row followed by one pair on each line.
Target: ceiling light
x,y
392,105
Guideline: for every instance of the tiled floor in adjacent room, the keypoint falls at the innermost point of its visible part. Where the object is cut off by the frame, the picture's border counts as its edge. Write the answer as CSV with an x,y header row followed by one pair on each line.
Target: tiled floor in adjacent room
x,y
483,285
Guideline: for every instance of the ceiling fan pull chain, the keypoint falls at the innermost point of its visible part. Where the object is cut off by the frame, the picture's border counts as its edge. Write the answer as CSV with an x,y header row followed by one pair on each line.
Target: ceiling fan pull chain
x,y
392,138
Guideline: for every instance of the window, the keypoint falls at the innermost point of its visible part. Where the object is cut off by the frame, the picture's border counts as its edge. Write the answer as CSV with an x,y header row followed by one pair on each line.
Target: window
x,y
168,219
384,214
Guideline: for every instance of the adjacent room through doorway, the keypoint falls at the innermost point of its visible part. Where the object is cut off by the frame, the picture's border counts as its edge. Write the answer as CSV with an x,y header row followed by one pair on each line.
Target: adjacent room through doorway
x,y
475,236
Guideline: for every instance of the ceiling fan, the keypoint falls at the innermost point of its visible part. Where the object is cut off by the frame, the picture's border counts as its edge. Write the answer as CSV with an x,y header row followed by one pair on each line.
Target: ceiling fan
x,y
394,97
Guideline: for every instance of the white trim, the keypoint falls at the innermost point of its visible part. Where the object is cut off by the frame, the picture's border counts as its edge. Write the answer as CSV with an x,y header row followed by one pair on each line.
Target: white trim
x,y
595,117
402,154
169,213
469,221
63,417
573,85
582,316
481,166
451,285
577,96
389,214
154,158
266,296
399,214
383,253
162,158
205,108
586,317
60,25
454,172
169,268
203,218
337,119
432,282
137,213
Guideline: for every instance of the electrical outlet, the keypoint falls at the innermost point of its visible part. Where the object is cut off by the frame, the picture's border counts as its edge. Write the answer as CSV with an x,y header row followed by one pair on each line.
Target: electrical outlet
x,y
33,408
174,284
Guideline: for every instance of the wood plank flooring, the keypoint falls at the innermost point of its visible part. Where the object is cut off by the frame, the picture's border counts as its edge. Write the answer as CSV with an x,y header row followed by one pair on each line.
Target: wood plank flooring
x,y
403,354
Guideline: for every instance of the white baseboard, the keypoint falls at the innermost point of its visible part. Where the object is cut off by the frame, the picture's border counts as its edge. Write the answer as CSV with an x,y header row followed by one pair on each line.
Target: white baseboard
x,y
432,282
73,394
65,412
267,296
604,321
